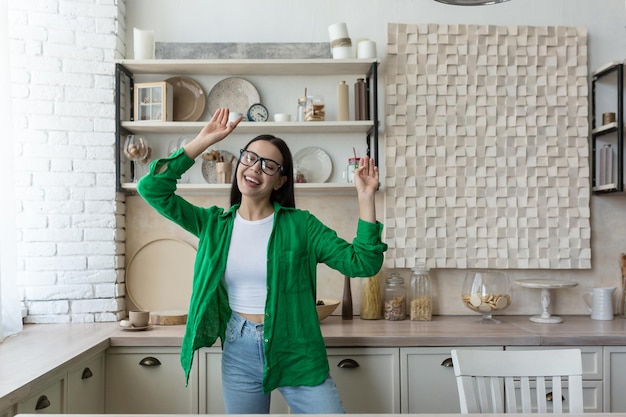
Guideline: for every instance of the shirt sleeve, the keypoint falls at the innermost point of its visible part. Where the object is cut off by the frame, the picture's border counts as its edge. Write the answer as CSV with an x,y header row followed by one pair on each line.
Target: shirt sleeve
x,y
362,258
158,188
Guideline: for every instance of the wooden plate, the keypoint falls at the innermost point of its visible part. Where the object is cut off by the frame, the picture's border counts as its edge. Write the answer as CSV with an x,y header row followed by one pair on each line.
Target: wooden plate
x,y
160,274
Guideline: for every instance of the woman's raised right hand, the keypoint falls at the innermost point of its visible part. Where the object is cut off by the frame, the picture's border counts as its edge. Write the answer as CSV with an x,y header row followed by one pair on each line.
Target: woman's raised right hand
x,y
213,132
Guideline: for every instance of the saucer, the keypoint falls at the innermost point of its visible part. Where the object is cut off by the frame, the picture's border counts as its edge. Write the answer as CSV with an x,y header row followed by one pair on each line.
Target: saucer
x,y
135,329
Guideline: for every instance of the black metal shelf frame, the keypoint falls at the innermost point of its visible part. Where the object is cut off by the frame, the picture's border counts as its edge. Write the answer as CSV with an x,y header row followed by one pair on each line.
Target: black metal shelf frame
x,y
618,129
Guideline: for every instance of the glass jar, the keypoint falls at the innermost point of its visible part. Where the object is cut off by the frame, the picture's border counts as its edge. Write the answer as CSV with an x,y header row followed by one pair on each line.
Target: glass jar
x,y
300,109
353,165
314,109
421,303
371,306
395,298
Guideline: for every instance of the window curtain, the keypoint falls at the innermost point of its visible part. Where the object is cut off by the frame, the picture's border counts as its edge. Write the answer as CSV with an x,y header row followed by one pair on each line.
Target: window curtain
x,y
10,310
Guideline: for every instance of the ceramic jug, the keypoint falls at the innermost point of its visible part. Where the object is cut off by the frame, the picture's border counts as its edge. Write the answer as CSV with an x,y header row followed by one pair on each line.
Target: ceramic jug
x,y
600,302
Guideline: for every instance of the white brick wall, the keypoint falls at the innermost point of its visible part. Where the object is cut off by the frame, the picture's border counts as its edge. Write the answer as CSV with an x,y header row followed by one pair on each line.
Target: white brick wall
x,y
70,219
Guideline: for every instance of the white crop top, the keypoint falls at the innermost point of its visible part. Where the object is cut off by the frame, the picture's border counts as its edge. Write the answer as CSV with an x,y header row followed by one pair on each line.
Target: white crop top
x,y
246,266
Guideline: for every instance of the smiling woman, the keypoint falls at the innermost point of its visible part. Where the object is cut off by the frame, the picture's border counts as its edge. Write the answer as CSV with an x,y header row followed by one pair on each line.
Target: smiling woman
x,y
10,317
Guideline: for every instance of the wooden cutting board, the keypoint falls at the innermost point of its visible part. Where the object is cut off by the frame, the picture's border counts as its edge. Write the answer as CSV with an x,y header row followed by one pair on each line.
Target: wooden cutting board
x,y
168,317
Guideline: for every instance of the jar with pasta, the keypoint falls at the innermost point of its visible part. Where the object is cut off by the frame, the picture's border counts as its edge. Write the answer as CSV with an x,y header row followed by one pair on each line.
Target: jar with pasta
x,y
394,307
372,304
421,302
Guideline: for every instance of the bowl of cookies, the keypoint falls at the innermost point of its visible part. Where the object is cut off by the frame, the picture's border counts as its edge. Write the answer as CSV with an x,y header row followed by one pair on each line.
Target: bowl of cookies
x,y
486,292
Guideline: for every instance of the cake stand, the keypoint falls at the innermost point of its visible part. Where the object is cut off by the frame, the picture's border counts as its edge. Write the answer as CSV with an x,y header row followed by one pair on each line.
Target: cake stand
x,y
545,285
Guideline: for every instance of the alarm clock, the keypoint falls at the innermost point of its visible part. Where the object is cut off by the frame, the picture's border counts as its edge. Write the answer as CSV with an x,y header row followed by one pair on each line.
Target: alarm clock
x,y
258,113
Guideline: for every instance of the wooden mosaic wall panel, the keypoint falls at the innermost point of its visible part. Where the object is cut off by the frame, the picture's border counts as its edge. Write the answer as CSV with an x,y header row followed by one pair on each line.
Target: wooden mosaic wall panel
x,y
487,157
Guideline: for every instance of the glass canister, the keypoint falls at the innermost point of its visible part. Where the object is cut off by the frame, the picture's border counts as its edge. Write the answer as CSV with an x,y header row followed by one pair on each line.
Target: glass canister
x,y
300,109
421,302
353,165
395,298
371,306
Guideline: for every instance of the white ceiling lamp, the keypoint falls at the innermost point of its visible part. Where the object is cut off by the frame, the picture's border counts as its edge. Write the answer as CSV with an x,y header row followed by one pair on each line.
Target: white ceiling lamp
x,y
471,2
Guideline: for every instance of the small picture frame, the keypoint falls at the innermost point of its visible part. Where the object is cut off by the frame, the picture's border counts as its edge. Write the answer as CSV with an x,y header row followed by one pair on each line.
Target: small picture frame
x,y
154,102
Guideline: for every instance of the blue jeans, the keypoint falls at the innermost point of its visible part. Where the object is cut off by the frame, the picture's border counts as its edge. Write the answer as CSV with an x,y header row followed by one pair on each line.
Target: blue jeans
x,y
243,361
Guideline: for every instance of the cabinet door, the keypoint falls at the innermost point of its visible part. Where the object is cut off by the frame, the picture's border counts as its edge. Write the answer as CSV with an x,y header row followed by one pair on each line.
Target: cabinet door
x,y
368,379
211,401
614,379
428,382
85,387
148,381
47,401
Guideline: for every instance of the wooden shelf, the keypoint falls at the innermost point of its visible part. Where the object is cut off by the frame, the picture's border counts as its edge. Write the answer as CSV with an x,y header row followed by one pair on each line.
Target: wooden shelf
x,y
249,66
224,189
253,127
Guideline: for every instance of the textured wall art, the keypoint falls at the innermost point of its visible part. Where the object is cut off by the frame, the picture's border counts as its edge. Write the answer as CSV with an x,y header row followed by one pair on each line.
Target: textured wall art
x,y
487,157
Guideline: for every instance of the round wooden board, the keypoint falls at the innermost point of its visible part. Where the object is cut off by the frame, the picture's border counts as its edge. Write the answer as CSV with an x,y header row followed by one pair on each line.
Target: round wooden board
x,y
168,318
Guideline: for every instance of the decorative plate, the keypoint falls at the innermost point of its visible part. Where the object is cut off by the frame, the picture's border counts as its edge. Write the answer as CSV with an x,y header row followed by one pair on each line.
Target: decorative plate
x,y
160,274
314,163
234,93
189,99
208,167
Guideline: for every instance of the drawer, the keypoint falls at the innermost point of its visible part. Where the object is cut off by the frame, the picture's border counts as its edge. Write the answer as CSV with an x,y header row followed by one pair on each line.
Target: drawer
x,y
591,357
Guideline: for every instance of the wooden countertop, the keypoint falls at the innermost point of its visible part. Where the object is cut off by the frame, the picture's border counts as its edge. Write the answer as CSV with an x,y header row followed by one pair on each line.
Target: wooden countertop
x,y
42,351
336,415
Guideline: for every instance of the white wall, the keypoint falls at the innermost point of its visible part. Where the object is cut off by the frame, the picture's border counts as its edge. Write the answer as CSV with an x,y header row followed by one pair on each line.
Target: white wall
x,y
71,222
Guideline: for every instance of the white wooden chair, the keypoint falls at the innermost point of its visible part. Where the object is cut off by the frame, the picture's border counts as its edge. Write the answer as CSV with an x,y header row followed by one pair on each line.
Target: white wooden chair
x,y
480,374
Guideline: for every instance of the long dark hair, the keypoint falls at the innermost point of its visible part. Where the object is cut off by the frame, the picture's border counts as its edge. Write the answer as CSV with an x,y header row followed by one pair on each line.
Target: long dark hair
x,y
285,194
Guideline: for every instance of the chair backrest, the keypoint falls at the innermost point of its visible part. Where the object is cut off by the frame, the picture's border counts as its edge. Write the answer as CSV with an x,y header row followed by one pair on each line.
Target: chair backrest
x,y
480,375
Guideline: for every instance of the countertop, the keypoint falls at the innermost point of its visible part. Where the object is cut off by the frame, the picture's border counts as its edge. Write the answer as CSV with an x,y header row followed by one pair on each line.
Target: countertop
x,y
42,351
339,415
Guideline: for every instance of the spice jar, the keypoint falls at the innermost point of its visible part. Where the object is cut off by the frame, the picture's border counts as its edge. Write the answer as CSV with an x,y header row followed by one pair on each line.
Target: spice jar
x,y
421,307
395,298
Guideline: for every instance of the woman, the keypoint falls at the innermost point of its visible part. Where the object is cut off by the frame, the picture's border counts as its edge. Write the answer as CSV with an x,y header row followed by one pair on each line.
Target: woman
x,y
255,272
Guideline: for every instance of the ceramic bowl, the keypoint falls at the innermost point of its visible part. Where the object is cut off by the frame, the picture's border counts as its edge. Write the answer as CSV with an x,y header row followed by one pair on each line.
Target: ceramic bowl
x,y
327,308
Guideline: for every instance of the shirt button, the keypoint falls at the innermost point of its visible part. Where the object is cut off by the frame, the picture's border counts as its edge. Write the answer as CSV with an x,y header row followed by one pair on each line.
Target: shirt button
x,y
267,314
267,340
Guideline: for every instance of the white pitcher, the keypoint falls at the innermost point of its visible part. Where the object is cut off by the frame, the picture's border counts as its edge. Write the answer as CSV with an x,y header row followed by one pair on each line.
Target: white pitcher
x,y
600,302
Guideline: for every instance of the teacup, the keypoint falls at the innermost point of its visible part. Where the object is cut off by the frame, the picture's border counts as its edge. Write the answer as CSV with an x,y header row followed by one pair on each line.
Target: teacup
x,y
139,318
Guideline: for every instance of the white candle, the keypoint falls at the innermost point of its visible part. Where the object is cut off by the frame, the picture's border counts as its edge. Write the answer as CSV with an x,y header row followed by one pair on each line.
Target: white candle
x,y
143,43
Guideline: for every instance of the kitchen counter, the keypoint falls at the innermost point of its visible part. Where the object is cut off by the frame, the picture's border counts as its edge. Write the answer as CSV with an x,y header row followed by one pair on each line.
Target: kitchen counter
x,y
43,349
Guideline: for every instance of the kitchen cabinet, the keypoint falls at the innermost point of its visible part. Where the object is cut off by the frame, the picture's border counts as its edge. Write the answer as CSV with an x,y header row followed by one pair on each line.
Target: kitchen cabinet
x,y
428,381
607,172
147,380
368,379
614,379
85,387
47,401
592,358
273,77
210,375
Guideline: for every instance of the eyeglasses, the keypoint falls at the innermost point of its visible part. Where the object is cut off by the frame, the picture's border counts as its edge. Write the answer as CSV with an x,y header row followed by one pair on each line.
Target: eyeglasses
x,y
268,166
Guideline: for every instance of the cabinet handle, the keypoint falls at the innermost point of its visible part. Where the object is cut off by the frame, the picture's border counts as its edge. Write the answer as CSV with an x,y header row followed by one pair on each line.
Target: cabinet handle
x,y
42,402
348,363
550,395
86,374
447,363
150,361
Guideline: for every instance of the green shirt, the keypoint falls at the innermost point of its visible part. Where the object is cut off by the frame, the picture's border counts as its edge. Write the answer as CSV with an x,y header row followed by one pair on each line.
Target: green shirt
x,y
295,353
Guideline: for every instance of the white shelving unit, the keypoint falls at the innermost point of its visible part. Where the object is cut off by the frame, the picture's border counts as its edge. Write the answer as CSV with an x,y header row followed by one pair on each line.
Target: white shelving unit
x,y
128,70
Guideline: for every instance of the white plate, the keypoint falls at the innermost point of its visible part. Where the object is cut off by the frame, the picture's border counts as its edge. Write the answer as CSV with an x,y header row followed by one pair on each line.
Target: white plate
x,y
234,93
208,167
314,163
159,275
